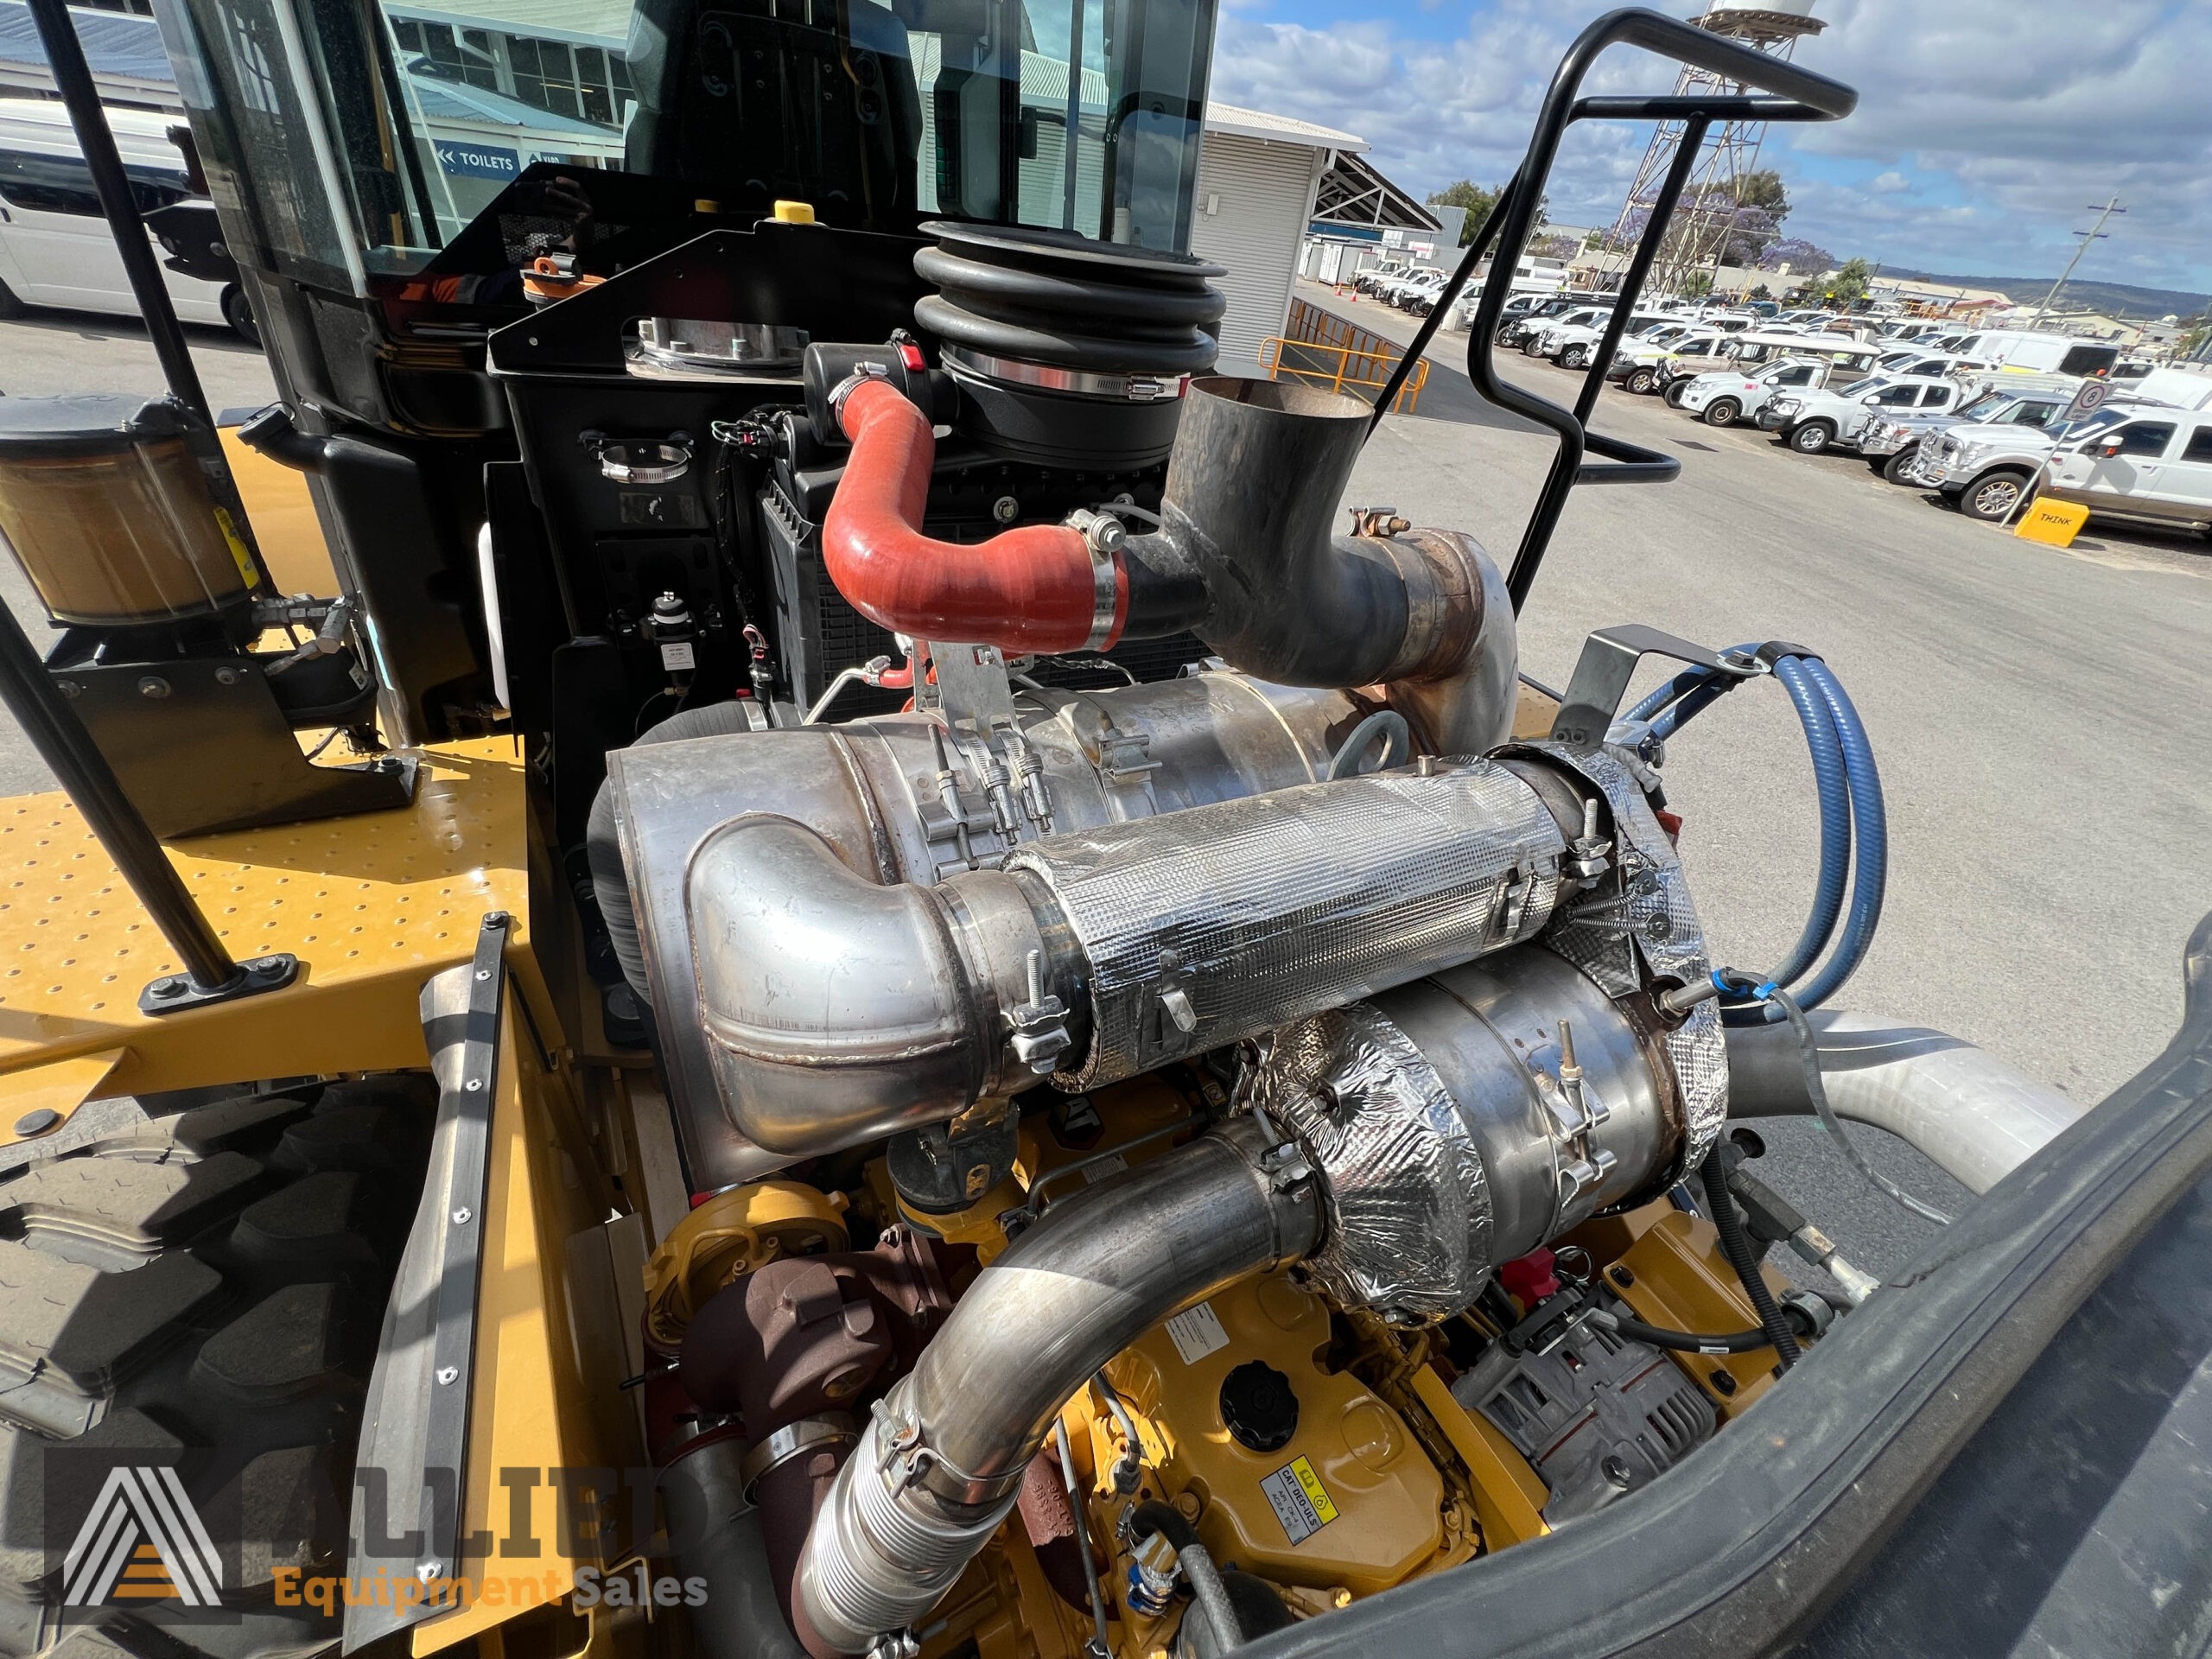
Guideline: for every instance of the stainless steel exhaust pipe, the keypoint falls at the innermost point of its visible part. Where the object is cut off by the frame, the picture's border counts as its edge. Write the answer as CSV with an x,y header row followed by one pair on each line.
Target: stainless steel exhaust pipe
x,y
1967,1110
939,1466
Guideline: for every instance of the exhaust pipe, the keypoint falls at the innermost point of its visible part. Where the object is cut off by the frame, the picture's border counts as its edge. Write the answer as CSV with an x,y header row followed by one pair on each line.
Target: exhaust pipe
x,y
836,1009
1968,1111
941,1462
1244,557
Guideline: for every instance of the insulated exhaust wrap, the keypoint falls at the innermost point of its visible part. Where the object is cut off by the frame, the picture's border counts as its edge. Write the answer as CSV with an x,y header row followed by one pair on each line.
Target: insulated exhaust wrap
x,y
1209,927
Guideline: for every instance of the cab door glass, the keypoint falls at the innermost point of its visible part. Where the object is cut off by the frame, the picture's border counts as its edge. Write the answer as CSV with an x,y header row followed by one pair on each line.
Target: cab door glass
x,y
2144,439
2199,448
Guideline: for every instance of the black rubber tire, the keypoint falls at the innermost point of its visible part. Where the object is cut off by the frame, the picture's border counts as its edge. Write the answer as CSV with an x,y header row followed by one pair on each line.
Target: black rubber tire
x,y
1812,437
1642,382
1878,464
1675,388
10,305
1893,468
1993,506
213,1279
239,316
1530,348
1721,411
1574,357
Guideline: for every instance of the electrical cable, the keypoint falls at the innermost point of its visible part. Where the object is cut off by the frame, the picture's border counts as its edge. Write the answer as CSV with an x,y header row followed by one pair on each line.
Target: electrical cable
x,y
1738,1248
1808,1059
1683,1342
1127,1467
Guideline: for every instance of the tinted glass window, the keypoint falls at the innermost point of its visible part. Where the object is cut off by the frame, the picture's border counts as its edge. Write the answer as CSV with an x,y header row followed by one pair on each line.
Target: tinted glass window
x,y
2034,414
63,184
1799,374
1893,397
2200,445
2144,438
1935,396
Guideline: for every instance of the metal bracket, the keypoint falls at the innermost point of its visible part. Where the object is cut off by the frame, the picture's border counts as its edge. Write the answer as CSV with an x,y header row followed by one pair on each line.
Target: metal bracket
x,y
174,993
464,1112
1608,663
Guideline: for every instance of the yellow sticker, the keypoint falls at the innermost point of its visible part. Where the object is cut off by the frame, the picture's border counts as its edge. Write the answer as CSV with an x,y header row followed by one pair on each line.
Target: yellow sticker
x,y
2056,522
1301,1501
242,559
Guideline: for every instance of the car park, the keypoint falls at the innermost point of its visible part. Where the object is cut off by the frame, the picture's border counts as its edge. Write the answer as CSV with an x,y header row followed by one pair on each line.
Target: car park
x,y
1819,419
1374,276
1573,344
1846,360
1891,443
55,248
1421,299
1642,365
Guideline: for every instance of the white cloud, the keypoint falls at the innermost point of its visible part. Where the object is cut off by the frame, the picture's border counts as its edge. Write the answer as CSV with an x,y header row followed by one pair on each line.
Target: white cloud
x,y
1985,127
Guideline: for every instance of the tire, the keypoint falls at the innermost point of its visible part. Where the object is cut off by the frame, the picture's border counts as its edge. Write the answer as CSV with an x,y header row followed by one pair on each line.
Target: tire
x,y
1878,464
1642,382
1812,438
214,1279
1675,392
239,316
1992,497
1721,411
1574,357
1530,348
10,305
1893,468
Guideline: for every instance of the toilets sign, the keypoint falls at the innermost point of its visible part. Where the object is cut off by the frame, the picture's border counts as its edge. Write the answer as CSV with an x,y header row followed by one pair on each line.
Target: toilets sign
x,y
467,161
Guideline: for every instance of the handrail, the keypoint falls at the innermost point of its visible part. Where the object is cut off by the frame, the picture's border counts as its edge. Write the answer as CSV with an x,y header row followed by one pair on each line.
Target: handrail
x,y
1375,368
1794,94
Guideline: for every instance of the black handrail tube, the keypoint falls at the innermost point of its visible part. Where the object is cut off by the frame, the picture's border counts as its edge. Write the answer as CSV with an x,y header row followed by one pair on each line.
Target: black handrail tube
x,y
1640,263
1476,245
65,745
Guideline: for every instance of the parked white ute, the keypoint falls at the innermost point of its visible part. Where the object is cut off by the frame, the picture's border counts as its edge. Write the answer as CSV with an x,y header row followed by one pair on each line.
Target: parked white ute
x,y
1817,419
1725,396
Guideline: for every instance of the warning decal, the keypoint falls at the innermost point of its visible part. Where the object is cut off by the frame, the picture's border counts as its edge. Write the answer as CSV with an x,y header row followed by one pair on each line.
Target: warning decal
x,y
1300,1500
1196,1332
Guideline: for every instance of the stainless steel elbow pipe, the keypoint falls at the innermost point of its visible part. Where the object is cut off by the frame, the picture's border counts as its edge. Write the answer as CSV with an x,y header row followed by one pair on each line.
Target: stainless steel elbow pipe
x,y
836,1009
1967,1110
1247,557
941,1462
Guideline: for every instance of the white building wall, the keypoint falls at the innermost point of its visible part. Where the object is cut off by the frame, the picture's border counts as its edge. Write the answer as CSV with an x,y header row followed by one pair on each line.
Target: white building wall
x,y
1255,200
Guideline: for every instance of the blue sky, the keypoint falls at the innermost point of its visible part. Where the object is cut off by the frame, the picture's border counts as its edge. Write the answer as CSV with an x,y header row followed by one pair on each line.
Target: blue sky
x,y
1985,127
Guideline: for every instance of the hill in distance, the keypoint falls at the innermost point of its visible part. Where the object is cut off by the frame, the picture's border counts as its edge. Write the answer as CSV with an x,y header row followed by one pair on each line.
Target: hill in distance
x,y
2112,299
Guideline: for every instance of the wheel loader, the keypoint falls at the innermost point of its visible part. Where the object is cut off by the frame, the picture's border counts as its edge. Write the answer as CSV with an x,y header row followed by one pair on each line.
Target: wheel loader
x,y
768,937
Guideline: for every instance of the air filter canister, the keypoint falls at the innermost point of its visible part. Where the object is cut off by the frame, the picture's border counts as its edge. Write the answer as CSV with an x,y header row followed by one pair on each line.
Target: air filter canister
x,y
1067,350
108,512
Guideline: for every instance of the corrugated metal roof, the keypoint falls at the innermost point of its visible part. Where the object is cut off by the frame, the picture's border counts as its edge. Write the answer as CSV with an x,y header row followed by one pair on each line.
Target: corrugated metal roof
x,y
606,23
1283,129
117,45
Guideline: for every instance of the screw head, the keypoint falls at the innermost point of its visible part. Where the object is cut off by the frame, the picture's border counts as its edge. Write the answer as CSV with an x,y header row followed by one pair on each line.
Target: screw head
x,y
1622,1277
69,689
227,677
464,1216
1005,509
473,1084
448,1374
495,919
1724,1380
37,1123
1615,1471
171,986
153,685
427,1571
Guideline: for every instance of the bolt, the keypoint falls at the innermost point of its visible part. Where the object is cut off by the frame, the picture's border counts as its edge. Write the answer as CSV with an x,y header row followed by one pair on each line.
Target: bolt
x,y
1005,509
1724,1380
153,686
464,1216
473,1084
168,988
496,918
1615,1471
427,1571
448,1374
227,677
37,1123
483,974
69,689
1622,1277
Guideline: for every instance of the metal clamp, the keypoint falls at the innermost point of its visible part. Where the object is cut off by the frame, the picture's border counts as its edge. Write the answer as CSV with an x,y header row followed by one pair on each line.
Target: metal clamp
x,y
1608,663
640,461
793,1440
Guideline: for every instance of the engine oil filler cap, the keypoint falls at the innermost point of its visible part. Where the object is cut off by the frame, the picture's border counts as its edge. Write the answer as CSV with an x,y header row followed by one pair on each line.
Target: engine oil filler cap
x,y
1258,1406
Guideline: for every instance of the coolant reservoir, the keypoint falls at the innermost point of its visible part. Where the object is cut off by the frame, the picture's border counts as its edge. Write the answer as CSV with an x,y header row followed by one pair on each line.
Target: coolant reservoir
x,y
1306,1476
108,512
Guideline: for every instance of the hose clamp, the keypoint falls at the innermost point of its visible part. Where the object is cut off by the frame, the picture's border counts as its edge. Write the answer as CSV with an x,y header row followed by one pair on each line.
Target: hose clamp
x,y
831,1428
1103,537
863,373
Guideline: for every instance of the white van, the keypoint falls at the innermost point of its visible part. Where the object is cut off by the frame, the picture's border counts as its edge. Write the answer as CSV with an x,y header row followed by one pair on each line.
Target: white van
x,y
2016,349
55,248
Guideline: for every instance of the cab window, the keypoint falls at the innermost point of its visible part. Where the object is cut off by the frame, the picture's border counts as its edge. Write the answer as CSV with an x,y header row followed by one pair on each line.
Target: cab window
x,y
1793,374
63,184
2200,445
1937,397
2145,438
1893,397
2033,414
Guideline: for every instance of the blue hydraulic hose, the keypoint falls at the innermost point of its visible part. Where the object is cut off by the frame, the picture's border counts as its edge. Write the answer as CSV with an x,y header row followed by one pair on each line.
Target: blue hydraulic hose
x,y
1832,786
1871,877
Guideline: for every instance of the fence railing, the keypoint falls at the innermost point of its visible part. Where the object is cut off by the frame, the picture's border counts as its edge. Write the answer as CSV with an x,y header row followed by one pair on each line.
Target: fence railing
x,y
1322,348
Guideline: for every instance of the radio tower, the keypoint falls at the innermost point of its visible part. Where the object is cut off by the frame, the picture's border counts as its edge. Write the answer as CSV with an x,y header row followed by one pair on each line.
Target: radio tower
x,y
1706,215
